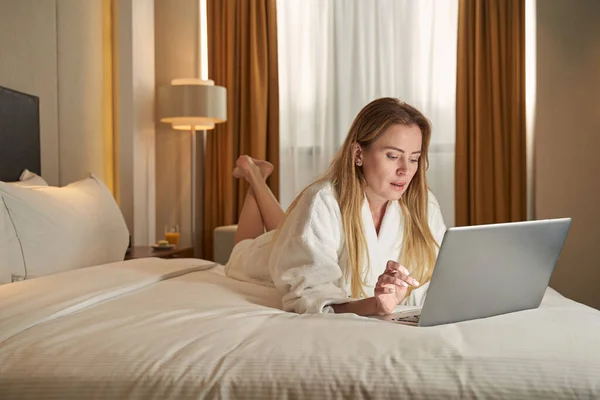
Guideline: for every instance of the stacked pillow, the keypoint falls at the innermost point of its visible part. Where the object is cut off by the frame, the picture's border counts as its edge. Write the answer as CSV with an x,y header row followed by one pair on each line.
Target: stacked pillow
x,y
28,179
47,229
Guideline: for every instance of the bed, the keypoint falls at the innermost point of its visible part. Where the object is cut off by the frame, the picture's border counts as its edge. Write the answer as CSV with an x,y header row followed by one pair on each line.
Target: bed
x,y
157,329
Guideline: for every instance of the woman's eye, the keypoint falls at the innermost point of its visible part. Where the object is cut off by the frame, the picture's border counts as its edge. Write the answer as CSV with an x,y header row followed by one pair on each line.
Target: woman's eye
x,y
414,161
392,157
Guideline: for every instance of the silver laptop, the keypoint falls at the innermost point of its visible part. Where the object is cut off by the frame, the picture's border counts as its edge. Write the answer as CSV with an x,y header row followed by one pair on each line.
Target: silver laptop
x,y
487,270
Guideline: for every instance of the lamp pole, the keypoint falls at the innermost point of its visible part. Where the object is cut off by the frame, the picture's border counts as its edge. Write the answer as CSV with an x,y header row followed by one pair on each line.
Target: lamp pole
x,y
194,103
197,201
193,188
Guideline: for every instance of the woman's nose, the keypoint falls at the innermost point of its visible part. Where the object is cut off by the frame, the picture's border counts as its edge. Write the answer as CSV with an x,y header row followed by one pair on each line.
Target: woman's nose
x,y
402,168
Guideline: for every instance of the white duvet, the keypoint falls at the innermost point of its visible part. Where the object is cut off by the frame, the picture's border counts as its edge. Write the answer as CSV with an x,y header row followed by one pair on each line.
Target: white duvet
x,y
158,329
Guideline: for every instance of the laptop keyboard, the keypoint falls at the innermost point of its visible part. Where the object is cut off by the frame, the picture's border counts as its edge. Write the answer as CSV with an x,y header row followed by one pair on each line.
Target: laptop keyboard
x,y
413,319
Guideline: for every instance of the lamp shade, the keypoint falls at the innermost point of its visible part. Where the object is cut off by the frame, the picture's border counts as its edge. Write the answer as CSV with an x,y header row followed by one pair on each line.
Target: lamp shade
x,y
188,103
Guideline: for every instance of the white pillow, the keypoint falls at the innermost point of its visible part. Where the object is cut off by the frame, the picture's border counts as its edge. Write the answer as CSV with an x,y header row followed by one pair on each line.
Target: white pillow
x,y
29,178
7,233
47,229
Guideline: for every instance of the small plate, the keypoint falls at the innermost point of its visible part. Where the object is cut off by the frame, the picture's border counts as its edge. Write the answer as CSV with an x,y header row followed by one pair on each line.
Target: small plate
x,y
166,247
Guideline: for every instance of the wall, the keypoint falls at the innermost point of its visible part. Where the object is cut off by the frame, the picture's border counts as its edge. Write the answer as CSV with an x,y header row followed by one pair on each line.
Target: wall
x,y
54,49
567,138
92,65
177,52
29,63
81,90
135,127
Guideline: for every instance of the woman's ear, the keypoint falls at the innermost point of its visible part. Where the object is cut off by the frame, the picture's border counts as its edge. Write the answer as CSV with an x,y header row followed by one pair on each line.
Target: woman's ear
x,y
357,154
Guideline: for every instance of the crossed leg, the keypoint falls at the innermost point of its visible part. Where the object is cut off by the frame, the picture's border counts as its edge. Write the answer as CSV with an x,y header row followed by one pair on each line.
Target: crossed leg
x,y
260,210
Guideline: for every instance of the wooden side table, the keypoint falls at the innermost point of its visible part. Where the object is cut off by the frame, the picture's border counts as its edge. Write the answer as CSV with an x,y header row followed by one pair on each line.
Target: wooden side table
x,y
148,251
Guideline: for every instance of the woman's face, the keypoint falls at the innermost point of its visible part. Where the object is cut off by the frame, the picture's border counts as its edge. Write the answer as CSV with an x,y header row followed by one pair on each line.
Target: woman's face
x,y
390,162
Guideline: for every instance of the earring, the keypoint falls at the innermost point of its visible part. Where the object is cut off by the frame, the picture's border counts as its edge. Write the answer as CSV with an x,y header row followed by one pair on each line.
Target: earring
x,y
358,163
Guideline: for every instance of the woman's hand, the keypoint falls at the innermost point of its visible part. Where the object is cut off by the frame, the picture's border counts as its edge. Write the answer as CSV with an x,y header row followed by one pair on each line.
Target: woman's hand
x,y
390,290
391,287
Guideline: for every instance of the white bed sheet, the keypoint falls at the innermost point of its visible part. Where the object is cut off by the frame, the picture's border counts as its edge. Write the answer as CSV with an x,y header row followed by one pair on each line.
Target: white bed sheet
x,y
158,329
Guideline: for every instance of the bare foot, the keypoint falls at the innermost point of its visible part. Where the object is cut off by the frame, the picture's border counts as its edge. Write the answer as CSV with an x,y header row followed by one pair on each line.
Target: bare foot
x,y
245,162
247,168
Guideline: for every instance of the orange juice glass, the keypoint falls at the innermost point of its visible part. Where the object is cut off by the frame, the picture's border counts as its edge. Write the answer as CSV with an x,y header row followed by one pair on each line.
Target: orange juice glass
x,y
172,234
172,238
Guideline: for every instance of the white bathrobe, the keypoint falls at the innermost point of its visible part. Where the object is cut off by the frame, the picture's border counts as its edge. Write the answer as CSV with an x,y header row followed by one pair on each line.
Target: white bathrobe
x,y
307,260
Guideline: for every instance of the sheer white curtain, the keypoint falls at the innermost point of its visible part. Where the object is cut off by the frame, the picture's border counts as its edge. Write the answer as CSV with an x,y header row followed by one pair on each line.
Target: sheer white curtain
x,y
337,55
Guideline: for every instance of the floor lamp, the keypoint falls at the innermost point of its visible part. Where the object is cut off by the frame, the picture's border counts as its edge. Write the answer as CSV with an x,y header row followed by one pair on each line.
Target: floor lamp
x,y
193,105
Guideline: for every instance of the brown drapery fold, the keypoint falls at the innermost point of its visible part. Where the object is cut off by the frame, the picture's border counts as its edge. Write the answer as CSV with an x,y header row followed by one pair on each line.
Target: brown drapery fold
x,y
242,53
490,177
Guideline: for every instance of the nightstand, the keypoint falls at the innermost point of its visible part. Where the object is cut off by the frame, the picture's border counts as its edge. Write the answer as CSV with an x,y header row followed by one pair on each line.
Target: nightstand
x,y
148,251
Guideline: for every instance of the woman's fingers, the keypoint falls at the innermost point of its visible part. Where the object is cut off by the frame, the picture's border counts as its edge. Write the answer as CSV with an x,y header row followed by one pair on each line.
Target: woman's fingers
x,y
398,280
388,278
400,271
385,289
394,267
393,280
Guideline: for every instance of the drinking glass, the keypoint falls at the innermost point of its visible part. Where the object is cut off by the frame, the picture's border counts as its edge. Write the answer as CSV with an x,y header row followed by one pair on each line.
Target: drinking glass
x,y
172,234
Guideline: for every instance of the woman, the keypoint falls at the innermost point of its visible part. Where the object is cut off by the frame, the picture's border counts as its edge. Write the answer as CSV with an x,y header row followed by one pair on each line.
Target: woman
x,y
340,244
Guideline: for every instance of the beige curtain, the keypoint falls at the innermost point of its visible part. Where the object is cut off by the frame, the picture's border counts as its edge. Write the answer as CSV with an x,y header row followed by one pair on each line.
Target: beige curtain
x,y
242,52
490,112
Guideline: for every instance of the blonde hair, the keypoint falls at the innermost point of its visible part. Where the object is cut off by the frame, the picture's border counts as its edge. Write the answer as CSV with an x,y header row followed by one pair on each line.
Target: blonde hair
x,y
419,246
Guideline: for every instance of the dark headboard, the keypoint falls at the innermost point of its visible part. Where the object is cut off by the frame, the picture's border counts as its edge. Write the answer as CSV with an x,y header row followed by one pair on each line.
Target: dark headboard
x,y
19,134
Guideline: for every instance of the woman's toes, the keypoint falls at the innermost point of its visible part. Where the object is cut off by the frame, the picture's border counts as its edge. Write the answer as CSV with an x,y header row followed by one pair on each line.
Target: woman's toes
x,y
237,173
244,162
266,168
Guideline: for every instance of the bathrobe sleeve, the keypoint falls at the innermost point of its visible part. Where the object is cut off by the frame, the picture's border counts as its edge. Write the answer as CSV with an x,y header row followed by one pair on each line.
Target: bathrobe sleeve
x,y
304,259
